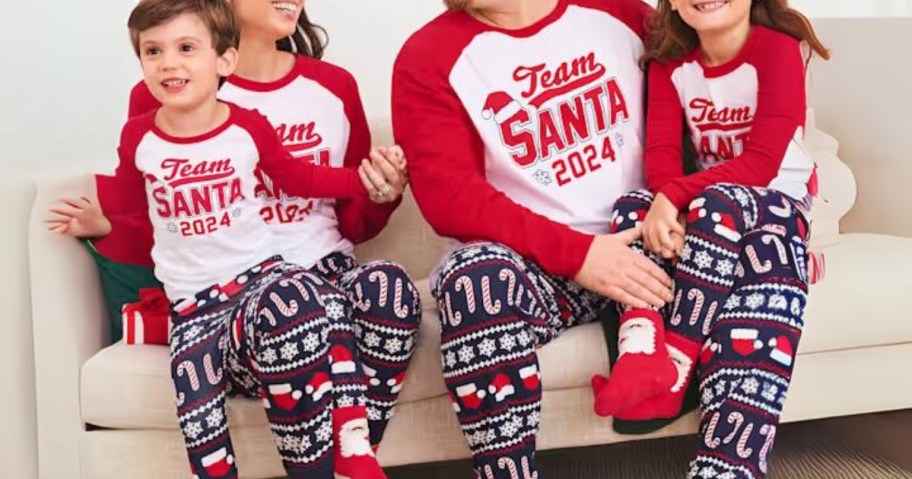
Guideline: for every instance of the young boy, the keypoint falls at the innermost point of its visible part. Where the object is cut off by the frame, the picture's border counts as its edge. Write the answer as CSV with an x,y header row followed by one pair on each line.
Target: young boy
x,y
243,322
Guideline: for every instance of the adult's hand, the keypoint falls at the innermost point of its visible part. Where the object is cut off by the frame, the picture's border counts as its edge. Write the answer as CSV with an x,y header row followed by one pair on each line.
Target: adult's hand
x,y
614,270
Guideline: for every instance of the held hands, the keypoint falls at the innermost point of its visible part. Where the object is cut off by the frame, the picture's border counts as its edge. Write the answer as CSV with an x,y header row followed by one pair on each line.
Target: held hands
x,y
80,218
385,176
614,270
663,229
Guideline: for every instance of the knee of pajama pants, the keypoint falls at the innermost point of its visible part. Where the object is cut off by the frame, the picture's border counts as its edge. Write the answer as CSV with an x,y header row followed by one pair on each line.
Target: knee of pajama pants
x,y
630,210
396,291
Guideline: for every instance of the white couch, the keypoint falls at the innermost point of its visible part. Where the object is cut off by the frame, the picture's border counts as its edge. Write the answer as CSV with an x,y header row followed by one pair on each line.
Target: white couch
x,y
107,413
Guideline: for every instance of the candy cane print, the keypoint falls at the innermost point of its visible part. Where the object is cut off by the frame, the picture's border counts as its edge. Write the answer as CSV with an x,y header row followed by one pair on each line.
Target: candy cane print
x,y
759,268
455,317
733,418
780,248
401,310
361,302
491,306
510,277
519,294
181,398
676,317
743,451
267,313
710,314
305,295
288,310
380,276
489,474
698,298
768,431
784,212
709,438
525,468
465,284
507,464
214,378
774,229
189,369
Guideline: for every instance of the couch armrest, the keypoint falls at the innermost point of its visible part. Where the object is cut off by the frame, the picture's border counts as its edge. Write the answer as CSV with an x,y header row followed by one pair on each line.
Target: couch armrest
x,y
863,102
69,326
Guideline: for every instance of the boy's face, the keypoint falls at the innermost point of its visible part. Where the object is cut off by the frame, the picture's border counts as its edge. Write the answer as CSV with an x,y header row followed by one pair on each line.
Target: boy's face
x,y
180,64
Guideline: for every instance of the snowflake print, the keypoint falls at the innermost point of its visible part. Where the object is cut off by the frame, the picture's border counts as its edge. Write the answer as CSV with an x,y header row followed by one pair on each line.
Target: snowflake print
x,y
487,347
492,435
193,430
754,301
324,433
269,356
290,443
524,338
725,267
742,198
750,386
534,418
480,437
372,340
734,301
708,396
466,354
373,414
619,140
172,228
311,342
335,310
720,388
289,351
304,444
543,177
778,301
708,472
508,429
345,401
686,253
507,342
235,213
450,359
215,418
703,260
193,332
770,391
393,345
408,344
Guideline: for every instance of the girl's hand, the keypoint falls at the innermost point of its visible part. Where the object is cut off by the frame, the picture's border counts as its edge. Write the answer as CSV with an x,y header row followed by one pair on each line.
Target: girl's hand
x,y
385,176
660,228
80,218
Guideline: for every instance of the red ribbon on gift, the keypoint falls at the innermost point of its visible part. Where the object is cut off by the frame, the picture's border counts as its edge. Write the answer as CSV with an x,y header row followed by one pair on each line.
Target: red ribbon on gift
x,y
147,321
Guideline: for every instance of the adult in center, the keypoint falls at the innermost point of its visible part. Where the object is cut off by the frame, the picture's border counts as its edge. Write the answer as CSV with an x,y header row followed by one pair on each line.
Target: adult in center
x,y
524,123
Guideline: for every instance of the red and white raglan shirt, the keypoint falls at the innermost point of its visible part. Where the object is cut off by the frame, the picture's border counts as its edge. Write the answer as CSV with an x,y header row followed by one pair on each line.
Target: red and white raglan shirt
x,y
316,112
198,196
525,137
746,120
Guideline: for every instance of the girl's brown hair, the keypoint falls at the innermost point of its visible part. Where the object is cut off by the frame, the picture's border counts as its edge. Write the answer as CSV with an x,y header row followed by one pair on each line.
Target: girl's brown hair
x,y
671,38
308,39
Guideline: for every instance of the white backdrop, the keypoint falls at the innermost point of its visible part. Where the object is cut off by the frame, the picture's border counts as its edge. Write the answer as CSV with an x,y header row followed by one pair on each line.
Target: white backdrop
x,y
66,70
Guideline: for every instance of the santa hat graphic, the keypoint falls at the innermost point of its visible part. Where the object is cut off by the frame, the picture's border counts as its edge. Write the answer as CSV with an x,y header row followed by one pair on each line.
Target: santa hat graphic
x,y
745,342
501,387
342,360
500,106
470,395
709,349
371,374
284,396
218,463
530,376
318,386
782,350
455,402
395,383
725,226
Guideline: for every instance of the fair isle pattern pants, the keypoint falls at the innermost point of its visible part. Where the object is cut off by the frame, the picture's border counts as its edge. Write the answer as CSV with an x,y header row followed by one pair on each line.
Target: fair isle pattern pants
x,y
741,290
496,309
386,313
277,332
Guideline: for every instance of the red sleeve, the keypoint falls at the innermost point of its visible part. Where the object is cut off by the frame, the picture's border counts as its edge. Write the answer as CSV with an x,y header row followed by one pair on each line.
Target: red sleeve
x,y
296,176
141,100
123,200
360,219
446,157
663,159
781,104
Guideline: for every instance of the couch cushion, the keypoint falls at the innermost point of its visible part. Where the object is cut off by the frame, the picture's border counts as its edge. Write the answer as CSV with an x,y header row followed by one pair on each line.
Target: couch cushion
x,y
129,387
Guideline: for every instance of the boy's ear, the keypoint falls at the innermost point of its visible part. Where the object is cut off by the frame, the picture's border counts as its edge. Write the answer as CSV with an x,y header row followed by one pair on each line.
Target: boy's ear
x,y
227,62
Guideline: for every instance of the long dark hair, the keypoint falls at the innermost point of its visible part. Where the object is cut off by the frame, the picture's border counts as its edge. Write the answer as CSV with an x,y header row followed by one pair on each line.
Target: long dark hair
x,y
671,38
308,39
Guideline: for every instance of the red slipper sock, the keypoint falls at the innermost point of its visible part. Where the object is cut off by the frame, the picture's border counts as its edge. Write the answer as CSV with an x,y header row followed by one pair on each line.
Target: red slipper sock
x,y
353,455
643,368
667,404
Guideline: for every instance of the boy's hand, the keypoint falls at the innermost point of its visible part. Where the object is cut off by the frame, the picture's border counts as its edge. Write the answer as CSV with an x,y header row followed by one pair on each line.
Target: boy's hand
x,y
80,218
385,176
663,234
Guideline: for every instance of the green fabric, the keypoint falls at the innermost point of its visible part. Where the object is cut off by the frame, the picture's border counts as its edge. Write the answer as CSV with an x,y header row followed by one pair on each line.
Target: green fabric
x,y
610,323
120,284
